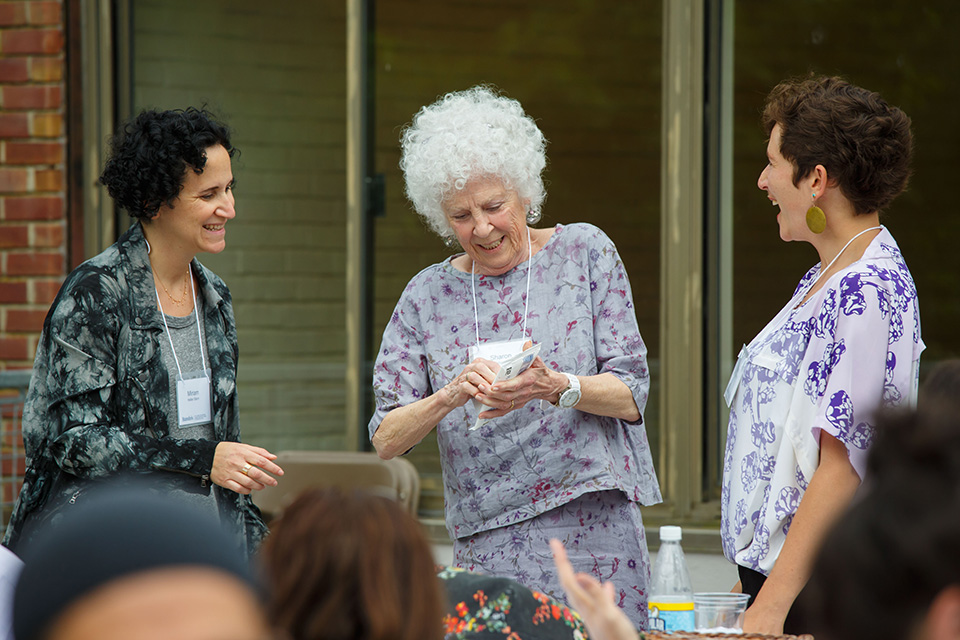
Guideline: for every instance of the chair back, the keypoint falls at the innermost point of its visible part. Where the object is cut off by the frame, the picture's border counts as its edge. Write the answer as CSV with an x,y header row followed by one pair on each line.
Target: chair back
x,y
396,479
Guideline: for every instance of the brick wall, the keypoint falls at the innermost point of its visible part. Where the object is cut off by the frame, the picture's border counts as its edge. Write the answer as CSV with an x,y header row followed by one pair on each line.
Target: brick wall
x,y
33,257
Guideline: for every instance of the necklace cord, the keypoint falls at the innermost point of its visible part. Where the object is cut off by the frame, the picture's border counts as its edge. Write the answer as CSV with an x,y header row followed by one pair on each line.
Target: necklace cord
x,y
835,258
196,314
526,301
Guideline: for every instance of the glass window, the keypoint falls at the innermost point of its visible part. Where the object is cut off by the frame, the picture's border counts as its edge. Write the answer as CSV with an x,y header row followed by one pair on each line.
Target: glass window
x,y
278,79
904,51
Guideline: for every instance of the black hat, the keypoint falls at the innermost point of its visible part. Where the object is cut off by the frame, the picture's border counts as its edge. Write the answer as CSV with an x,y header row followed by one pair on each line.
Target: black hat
x,y
115,532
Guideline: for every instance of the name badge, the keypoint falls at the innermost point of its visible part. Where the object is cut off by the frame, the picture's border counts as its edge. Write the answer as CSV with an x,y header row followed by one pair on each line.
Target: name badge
x,y
734,382
499,352
194,398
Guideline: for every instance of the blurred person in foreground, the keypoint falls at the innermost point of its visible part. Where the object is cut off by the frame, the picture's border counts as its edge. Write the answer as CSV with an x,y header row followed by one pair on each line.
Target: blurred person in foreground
x,y
10,566
803,393
131,564
350,566
355,566
940,390
136,367
563,451
593,601
890,569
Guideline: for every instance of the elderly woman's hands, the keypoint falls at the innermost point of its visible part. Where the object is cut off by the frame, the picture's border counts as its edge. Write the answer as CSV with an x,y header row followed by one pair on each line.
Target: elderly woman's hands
x,y
476,375
536,383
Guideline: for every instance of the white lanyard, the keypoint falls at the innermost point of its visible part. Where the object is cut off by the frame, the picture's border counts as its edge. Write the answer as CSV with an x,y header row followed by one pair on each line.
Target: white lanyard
x,y
163,316
473,289
194,396
837,257
775,324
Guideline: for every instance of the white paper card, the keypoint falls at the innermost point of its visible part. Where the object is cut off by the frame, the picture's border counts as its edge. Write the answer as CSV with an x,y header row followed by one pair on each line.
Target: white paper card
x,y
510,368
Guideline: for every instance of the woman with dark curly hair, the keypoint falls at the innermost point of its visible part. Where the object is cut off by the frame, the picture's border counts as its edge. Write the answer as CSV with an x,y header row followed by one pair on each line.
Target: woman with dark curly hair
x,y
804,391
135,372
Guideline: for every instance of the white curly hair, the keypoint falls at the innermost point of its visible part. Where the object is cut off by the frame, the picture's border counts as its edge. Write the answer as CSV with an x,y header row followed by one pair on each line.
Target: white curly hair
x,y
469,134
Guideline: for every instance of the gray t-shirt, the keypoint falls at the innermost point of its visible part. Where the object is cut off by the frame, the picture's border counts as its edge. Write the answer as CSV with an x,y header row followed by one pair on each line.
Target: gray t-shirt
x,y
186,344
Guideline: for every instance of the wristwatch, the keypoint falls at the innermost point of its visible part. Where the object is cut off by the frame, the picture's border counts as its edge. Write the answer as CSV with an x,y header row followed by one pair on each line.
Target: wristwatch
x,y
570,396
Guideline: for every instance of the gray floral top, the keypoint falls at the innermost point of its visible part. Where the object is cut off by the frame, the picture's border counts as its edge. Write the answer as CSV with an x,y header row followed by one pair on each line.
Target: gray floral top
x,y
533,459
99,398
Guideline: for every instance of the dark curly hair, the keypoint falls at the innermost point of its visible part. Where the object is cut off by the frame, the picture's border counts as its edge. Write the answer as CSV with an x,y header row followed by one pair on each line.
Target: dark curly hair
x,y
150,154
864,143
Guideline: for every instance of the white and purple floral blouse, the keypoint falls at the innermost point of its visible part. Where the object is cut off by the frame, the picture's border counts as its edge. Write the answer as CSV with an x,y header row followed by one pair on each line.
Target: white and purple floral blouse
x,y
531,460
824,366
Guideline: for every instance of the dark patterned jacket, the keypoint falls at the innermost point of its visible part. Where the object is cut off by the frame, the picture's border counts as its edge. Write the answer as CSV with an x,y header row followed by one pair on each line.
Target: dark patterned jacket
x,y
99,396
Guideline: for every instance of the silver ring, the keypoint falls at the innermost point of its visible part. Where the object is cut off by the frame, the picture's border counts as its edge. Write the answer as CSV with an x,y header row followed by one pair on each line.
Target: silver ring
x,y
246,469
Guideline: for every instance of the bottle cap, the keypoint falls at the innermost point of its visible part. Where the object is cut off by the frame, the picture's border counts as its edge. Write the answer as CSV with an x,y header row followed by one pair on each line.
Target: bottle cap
x,y
670,533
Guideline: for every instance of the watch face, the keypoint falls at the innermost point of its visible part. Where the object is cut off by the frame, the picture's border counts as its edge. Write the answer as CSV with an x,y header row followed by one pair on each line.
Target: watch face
x,y
569,398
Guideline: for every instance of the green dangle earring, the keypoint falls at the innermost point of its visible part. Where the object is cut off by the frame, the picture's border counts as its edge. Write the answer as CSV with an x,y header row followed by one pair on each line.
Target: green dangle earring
x,y
816,218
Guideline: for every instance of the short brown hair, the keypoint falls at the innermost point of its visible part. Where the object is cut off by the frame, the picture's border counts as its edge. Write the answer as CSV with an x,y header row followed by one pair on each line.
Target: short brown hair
x,y
864,143
348,566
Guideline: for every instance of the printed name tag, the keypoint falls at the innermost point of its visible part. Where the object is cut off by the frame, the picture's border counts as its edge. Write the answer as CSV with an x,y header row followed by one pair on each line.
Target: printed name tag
x,y
193,400
499,352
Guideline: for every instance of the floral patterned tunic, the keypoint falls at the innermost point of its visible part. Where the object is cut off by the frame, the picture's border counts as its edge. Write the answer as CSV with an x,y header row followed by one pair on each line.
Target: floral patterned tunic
x,y
533,459
824,366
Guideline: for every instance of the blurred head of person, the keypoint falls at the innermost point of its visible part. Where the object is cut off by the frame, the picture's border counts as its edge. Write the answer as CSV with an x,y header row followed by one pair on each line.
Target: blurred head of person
x,y
350,566
941,389
129,563
891,566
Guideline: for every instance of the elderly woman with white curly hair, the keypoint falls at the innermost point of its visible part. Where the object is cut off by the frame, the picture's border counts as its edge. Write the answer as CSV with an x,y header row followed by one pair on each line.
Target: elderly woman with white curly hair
x,y
561,451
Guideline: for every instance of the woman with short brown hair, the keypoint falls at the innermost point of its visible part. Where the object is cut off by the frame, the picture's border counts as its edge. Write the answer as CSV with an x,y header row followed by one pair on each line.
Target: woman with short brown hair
x,y
804,391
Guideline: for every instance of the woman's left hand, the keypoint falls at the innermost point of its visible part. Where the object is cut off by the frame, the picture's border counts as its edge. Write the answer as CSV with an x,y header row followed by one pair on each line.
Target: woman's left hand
x,y
243,468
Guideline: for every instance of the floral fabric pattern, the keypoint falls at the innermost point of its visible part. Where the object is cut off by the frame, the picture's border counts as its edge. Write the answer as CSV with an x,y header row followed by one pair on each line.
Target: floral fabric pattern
x,y
602,533
98,402
823,366
533,459
517,468
484,606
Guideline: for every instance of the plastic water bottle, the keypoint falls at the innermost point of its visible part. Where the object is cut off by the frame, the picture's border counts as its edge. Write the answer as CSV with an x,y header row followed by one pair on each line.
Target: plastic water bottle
x,y
670,603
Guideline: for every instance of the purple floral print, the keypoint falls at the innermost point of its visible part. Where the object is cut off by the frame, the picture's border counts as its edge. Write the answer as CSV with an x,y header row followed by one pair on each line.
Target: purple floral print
x,y
821,366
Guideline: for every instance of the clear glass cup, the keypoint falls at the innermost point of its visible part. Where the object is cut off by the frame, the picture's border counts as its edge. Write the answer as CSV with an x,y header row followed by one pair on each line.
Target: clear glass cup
x,y
720,612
